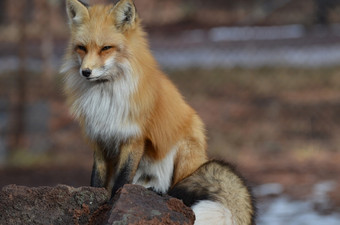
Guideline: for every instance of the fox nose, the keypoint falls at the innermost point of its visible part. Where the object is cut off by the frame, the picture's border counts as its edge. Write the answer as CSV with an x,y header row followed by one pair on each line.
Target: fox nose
x,y
86,72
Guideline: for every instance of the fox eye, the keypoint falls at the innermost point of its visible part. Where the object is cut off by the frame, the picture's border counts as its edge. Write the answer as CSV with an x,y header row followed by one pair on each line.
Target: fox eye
x,y
81,48
105,48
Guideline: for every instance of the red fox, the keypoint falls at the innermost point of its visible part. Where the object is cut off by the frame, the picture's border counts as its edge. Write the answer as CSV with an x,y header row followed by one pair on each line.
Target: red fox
x,y
141,129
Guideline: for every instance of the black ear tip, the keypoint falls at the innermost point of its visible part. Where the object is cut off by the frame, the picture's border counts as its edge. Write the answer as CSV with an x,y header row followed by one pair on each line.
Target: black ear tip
x,y
84,3
128,13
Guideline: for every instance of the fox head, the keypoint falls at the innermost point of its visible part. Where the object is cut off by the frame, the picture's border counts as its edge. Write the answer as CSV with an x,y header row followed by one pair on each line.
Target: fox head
x,y
99,36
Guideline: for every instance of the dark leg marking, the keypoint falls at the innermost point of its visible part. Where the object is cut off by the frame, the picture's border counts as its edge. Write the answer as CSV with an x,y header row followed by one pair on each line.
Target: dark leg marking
x,y
122,178
96,181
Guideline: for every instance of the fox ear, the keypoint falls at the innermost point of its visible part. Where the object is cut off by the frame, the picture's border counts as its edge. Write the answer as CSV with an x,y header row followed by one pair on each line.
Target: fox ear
x,y
76,11
125,14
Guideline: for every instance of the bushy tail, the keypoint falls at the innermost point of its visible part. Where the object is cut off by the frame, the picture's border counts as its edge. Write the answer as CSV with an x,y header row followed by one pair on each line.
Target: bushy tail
x,y
217,194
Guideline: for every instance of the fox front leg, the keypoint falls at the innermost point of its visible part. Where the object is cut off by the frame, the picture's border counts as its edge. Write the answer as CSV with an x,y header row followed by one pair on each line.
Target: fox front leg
x,y
100,170
129,158
96,178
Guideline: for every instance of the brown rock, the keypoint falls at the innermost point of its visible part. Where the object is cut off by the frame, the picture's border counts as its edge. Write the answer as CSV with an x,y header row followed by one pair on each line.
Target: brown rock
x,y
135,205
86,205
49,205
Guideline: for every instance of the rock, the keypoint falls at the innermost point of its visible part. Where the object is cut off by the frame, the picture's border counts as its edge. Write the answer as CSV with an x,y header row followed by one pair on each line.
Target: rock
x,y
134,205
49,205
86,205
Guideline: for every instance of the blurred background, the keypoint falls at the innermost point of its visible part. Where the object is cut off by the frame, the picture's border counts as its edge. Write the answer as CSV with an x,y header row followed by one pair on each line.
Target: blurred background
x,y
264,75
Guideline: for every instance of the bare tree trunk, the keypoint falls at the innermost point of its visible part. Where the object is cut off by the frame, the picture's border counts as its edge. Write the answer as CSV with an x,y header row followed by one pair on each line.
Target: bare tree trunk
x,y
2,11
322,11
18,109
47,45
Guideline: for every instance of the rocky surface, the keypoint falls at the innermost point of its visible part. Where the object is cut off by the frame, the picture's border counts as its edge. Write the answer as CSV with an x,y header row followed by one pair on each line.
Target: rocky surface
x,y
49,205
86,205
135,205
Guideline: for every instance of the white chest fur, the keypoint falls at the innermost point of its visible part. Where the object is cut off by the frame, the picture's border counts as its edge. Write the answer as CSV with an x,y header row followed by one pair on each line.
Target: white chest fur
x,y
106,115
105,109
